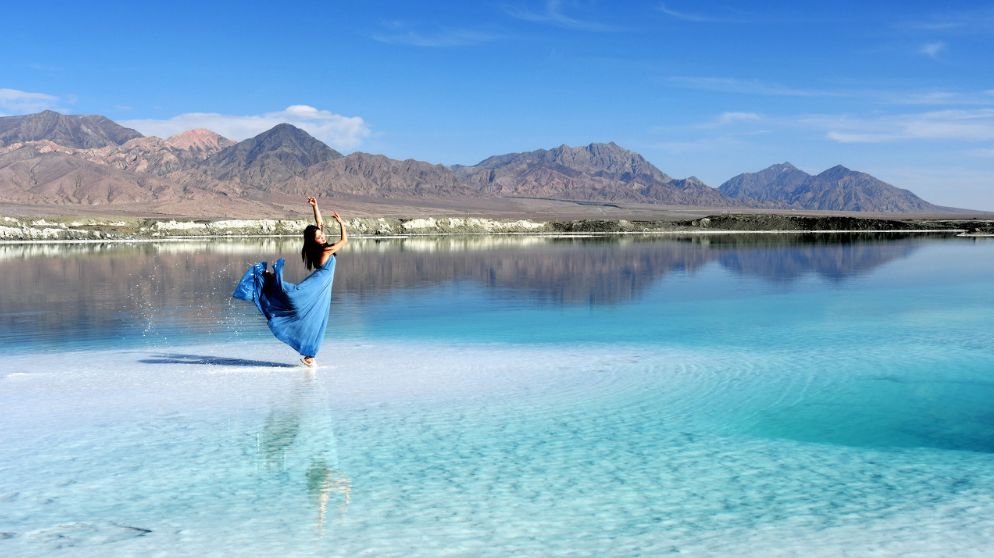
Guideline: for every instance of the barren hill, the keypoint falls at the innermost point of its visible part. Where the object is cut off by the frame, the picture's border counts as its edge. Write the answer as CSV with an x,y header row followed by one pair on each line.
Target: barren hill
x,y
599,171
86,161
269,159
67,130
836,189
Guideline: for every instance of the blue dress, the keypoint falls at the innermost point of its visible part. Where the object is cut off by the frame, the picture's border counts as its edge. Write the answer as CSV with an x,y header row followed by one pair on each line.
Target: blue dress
x,y
297,313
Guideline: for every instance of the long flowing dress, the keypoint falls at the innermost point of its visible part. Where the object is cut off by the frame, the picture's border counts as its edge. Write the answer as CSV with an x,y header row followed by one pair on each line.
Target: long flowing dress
x,y
297,313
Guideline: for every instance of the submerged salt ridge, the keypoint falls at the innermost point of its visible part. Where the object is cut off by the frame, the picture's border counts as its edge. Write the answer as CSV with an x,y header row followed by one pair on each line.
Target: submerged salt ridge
x,y
424,449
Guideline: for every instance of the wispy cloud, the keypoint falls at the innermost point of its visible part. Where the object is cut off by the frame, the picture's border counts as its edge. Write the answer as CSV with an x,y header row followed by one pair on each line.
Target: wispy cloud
x,y
752,87
403,33
949,125
723,131
43,67
553,13
939,98
958,22
688,146
888,97
734,117
724,120
13,101
987,152
695,17
711,142
340,132
933,49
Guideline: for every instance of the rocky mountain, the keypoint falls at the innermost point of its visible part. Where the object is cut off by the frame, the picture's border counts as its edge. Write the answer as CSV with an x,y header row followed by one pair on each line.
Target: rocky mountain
x,y
44,174
836,189
158,156
839,188
599,171
270,159
694,188
144,155
362,174
771,184
49,158
199,143
36,173
66,130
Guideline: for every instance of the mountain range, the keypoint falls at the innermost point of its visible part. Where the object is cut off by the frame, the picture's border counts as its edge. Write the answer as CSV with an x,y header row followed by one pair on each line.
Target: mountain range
x,y
836,189
50,159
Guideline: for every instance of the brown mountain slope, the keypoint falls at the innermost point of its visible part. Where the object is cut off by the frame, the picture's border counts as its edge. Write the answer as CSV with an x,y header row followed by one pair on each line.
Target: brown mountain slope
x,y
91,160
268,160
146,155
39,174
33,175
68,130
363,174
836,189
599,171
200,143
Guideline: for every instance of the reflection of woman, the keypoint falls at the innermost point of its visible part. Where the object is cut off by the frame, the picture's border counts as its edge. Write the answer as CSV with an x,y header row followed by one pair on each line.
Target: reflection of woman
x,y
297,440
297,313
322,482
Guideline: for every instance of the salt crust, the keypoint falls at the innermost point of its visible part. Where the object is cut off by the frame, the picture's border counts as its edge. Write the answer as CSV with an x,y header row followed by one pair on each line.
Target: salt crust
x,y
485,450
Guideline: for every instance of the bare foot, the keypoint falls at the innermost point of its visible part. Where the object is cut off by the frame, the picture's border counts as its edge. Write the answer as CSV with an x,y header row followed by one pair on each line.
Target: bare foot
x,y
309,362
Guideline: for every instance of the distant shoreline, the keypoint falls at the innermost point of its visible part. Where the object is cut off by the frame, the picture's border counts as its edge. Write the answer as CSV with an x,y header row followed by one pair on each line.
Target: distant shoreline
x,y
179,239
125,229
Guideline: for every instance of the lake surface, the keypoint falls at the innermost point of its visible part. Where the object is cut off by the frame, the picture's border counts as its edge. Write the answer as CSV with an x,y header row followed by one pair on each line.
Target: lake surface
x,y
766,395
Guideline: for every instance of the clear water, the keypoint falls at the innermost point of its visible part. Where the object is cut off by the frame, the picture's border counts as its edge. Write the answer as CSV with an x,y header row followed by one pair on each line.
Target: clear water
x,y
767,395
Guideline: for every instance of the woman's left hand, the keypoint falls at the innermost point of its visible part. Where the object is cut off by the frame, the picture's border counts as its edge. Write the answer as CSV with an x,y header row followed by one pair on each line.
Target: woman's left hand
x,y
312,201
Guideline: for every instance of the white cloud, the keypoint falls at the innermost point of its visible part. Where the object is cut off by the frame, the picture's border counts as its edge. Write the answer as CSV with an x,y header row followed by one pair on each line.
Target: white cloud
x,y
987,152
938,98
725,119
752,87
887,97
860,137
733,117
25,102
555,15
689,146
685,16
933,49
711,142
949,125
402,33
979,20
694,17
340,132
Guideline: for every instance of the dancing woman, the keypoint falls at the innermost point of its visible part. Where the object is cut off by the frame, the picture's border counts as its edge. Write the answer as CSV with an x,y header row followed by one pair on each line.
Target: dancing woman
x,y
297,313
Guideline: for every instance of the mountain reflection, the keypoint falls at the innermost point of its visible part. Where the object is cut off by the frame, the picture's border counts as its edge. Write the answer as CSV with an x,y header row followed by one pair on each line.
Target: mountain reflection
x,y
68,292
843,256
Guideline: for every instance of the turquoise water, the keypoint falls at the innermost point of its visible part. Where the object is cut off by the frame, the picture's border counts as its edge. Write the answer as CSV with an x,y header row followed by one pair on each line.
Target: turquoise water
x,y
757,395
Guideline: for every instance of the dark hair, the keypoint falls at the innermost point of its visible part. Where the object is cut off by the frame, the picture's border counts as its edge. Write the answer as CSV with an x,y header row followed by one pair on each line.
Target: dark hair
x,y
312,250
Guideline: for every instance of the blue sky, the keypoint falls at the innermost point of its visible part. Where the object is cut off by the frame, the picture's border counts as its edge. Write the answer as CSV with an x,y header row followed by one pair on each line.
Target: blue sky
x,y
902,90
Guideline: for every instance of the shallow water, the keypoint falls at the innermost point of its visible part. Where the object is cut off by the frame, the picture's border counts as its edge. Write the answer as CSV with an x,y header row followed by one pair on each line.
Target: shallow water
x,y
758,395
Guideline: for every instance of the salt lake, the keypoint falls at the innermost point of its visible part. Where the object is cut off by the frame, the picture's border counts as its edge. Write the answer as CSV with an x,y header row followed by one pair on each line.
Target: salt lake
x,y
707,395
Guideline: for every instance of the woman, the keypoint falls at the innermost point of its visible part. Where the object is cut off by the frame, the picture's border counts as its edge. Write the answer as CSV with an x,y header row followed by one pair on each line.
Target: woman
x,y
297,314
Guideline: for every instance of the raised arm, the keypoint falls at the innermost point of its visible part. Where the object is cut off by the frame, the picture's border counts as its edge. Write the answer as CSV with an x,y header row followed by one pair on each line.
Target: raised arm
x,y
332,248
313,202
